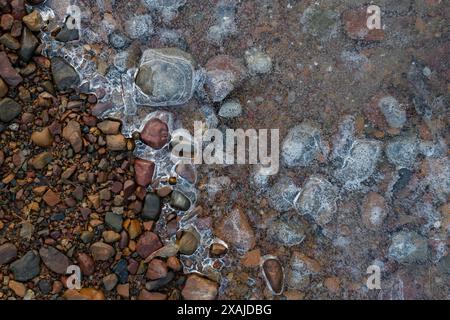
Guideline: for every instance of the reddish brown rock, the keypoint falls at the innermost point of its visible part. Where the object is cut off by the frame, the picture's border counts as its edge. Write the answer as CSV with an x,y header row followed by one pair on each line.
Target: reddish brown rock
x,y
116,142
51,198
6,22
155,133
86,263
42,138
72,133
223,75
157,269
109,127
101,251
144,170
146,295
147,244
199,288
236,230
7,72
273,272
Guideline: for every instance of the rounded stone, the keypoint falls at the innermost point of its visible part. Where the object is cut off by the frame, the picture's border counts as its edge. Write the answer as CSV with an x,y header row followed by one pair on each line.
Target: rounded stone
x,y
9,109
257,61
317,200
230,109
301,145
408,247
274,275
152,207
155,133
393,111
165,77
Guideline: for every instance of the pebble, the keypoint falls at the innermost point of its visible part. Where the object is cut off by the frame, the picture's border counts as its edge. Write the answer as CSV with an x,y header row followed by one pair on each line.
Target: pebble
x,y
174,264
110,236
64,75
402,151
186,171
123,290
374,211
27,267
223,75
42,138
110,282
152,207
9,109
393,111
28,45
144,171
147,244
360,162
101,251
168,9
230,109
217,250
189,242
84,294
6,21
199,288
301,146
67,34
87,236
10,42
134,229
235,229
3,88
114,221
165,77
179,201
273,273
33,21
54,259
86,263
301,268
151,296
289,234
45,286
8,252
7,72
408,247
109,127
282,194
40,161
51,198
258,62
116,142
72,133
139,27
157,269
252,258
18,288
118,40
121,270
155,133
318,200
